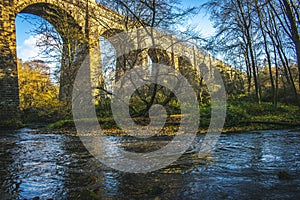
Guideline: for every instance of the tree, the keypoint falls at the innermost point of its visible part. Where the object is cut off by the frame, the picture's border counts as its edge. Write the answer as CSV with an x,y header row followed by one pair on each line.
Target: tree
x,y
156,14
289,18
235,34
264,32
165,14
62,41
38,94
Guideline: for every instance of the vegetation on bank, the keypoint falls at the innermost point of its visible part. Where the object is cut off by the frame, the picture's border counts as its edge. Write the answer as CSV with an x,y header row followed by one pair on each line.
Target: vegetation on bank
x,y
246,116
241,116
258,39
40,104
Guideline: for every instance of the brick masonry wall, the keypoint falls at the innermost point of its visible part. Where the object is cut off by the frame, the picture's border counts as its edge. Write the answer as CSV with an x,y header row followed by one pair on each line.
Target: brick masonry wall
x,y
9,92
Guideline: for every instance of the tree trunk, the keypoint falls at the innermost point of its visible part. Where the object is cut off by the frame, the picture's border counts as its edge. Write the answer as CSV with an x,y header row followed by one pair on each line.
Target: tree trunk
x,y
294,32
266,49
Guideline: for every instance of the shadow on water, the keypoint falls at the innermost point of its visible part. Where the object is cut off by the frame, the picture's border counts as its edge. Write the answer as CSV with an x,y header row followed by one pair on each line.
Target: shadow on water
x,y
242,166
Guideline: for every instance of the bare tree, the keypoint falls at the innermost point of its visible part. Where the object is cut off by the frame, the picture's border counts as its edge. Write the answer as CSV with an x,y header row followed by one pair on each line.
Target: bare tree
x,y
264,32
59,40
288,16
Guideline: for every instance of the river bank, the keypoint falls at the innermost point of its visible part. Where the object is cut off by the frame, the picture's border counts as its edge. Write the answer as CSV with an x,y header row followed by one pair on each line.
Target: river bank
x,y
241,116
67,127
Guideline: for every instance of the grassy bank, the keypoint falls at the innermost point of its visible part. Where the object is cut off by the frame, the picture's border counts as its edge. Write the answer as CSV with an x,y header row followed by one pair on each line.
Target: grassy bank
x,y
244,116
241,116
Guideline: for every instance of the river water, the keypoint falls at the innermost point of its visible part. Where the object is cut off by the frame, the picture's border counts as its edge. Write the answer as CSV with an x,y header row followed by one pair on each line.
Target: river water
x,y
252,165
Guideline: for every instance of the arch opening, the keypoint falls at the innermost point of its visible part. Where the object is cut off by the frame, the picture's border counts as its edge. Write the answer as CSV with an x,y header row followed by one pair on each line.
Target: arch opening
x,y
73,47
109,63
62,48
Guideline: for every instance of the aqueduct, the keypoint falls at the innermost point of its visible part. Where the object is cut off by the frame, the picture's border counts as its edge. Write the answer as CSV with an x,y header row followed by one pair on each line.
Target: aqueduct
x,y
80,24
77,25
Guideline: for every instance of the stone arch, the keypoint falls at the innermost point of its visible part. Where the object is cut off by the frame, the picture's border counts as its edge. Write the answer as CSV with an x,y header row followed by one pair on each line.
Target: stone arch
x,y
160,56
51,11
57,16
188,70
75,43
184,62
107,33
126,61
81,14
108,60
73,8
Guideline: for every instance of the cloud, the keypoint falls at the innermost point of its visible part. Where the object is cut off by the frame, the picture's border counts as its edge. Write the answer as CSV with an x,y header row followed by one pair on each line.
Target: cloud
x,y
27,50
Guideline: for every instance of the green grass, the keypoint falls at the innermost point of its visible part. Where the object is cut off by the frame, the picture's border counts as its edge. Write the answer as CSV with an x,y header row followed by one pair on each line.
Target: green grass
x,y
243,115
240,116
67,123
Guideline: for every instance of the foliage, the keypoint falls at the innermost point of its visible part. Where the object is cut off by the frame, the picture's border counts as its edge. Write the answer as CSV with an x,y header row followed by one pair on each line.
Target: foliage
x,y
262,47
103,108
205,114
240,113
59,124
38,95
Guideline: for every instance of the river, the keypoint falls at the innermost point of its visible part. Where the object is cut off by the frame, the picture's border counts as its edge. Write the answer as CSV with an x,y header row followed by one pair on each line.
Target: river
x,y
251,165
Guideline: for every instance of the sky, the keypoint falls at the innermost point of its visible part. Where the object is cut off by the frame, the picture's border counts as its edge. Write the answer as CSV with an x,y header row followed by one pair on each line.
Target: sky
x,y
26,41
201,20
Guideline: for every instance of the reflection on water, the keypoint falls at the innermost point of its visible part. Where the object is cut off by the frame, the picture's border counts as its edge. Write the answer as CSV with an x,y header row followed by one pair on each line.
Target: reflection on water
x,y
243,166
